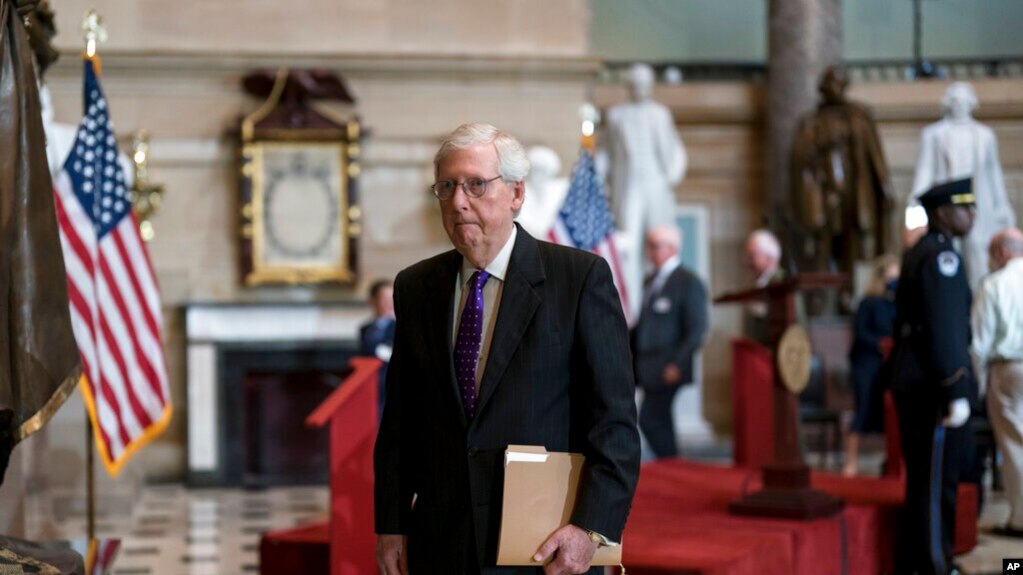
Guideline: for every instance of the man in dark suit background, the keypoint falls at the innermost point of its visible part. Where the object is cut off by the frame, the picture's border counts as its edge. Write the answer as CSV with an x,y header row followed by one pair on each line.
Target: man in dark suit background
x,y
672,325
376,337
503,340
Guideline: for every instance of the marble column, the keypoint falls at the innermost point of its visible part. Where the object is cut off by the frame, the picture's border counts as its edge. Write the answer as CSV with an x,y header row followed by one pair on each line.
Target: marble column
x,y
804,38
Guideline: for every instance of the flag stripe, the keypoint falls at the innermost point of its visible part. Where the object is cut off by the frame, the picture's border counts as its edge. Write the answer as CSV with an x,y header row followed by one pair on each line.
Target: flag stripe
x,y
107,425
115,370
139,338
81,320
73,240
152,300
106,561
133,363
137,267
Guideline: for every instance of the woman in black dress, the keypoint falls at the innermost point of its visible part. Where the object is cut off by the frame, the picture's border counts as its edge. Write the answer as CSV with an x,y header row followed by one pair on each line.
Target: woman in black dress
x,y
875,320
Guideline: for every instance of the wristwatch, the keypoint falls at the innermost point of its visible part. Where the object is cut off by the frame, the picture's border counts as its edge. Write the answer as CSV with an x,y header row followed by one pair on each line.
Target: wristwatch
x,y
597,538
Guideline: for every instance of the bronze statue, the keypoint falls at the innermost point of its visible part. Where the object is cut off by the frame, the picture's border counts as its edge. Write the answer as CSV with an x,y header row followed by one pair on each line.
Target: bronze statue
x,y
41,27
39,365
842,188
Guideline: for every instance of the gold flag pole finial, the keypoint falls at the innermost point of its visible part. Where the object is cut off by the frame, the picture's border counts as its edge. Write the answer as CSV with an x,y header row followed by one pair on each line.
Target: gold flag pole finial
x,y
93,31
589,115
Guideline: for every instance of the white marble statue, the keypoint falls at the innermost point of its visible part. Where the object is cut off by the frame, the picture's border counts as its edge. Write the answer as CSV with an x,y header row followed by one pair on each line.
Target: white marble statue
x,y
645,162
545,192
957,146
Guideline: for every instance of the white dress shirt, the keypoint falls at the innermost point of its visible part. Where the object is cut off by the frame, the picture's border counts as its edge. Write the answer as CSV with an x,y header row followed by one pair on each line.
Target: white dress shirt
x,y
997,318
498,270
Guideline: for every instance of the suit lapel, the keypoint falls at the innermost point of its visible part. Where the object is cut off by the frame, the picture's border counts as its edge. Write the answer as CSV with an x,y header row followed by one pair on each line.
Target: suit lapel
x,y
439,321
519,300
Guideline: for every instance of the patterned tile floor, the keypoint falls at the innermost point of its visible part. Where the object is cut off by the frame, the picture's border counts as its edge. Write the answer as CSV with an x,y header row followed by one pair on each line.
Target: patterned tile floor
x,y
176,531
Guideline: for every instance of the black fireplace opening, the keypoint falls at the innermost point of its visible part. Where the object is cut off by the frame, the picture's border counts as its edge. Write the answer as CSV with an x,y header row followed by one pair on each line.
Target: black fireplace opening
x,y
266,392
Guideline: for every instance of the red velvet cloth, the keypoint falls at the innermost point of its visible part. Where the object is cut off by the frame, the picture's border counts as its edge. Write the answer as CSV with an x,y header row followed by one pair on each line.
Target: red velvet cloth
x,y
680,524
753,434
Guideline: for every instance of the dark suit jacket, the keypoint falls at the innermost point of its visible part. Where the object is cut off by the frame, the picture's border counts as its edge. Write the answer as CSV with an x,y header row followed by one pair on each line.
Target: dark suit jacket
x,y
558,375
671,328
371,335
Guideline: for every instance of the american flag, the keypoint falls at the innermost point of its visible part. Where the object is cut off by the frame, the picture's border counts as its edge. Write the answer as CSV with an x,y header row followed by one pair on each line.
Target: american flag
x,y
115,305
99,554
584,221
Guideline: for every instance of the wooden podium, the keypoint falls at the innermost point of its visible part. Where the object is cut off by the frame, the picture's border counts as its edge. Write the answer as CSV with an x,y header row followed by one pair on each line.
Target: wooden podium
x,y
351,410
346,543
786,492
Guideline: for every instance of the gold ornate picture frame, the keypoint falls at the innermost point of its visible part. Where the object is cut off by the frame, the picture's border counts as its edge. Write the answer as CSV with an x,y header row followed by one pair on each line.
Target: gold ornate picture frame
x,y
298,223
299,211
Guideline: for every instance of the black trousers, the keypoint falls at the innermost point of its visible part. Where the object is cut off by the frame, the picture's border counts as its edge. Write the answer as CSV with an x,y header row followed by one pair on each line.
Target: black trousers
x,y
933,455
655,419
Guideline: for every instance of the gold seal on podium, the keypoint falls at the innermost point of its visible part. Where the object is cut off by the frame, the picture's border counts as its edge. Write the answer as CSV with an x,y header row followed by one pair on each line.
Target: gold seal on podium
x,y
794,354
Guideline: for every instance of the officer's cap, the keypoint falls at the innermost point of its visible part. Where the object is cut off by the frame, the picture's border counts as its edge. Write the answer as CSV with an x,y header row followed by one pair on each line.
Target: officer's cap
x,y
957,192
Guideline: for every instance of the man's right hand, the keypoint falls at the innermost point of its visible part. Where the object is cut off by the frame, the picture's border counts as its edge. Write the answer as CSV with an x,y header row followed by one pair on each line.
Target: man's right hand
x,y
392,554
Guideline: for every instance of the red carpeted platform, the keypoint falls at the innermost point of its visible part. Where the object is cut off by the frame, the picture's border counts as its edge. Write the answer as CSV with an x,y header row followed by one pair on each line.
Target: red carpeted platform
x,y
680,524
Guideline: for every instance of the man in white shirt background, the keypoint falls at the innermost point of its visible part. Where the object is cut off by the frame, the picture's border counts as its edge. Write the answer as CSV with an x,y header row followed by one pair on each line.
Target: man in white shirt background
x,y
997,347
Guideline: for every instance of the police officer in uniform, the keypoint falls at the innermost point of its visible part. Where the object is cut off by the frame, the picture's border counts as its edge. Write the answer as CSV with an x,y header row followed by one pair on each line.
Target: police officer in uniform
x,y
932,379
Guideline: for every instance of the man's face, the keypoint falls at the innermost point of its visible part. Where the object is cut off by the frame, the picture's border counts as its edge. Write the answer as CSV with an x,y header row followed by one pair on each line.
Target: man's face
x,y
758,260
658,250
959,218
484,222
383,303
997,257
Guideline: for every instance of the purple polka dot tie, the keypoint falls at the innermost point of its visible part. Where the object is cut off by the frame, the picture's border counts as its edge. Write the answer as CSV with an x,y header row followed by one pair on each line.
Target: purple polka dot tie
x,y
467,347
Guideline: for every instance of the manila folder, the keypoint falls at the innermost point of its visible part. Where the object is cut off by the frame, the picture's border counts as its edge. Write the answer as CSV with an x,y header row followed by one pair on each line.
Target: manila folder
x,y
539,495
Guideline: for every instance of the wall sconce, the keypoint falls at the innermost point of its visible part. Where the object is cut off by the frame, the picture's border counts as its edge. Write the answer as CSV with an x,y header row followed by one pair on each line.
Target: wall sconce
x,y
145,195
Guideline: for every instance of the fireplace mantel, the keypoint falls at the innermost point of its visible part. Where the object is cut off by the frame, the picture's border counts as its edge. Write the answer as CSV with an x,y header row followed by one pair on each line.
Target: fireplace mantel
x,y
211,328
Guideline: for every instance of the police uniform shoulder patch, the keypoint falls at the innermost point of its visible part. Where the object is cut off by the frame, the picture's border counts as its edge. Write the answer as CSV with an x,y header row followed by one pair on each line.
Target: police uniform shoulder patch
x,y
948,263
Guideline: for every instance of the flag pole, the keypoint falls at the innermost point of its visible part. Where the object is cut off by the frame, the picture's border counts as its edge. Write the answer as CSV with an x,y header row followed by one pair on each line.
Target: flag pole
x,y
90,480
93,32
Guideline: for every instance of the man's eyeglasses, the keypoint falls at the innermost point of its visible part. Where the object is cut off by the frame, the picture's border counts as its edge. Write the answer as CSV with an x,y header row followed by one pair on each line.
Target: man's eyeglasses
x,y
473,187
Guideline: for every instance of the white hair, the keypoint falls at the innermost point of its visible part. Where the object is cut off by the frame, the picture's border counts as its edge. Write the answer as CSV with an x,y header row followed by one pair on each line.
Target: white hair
x,y
512,163
765,242
670,234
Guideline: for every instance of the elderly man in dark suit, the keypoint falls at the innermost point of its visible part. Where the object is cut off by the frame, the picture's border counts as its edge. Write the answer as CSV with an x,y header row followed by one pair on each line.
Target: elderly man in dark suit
x,y
503,340
672,325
